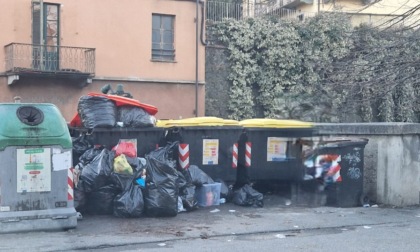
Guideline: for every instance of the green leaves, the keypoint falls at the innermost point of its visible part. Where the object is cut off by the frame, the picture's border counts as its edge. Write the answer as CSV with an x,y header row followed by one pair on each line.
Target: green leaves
x,y
322,69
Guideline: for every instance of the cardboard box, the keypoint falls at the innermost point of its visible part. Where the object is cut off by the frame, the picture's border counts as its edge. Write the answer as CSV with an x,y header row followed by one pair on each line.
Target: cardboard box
x,y
208,194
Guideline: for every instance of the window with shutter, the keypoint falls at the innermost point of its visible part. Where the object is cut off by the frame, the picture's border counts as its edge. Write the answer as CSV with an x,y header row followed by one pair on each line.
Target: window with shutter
x,y
163,37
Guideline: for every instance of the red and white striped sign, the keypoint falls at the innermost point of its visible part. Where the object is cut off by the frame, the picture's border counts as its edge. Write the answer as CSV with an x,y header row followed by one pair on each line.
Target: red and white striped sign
x,y
235,156
70,184
248,148
184,155
334,172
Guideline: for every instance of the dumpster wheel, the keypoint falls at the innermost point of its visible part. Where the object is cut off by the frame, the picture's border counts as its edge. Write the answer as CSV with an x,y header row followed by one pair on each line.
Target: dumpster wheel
x,y
364,200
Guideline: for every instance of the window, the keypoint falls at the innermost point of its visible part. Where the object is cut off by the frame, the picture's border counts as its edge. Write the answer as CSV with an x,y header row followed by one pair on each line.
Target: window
x,y
45,58
163,37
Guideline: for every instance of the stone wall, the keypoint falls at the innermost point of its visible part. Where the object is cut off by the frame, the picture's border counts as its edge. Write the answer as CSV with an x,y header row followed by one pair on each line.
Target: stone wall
x,y
392,159
217,85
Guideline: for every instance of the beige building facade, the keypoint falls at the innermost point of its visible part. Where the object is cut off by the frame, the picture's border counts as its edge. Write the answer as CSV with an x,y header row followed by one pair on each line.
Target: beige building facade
x,y
375,12
56,51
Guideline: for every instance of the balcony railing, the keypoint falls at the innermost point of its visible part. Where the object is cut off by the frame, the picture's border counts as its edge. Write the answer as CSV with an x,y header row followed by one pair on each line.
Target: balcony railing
x,y
29,58
217,11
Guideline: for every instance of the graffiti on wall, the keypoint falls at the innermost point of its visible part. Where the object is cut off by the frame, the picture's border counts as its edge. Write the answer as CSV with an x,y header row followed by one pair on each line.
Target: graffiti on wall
x,y
354,173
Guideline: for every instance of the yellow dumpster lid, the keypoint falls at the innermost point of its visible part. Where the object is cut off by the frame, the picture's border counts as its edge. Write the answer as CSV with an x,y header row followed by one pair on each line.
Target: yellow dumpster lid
x,y
274,123
230,122
163,123
200,121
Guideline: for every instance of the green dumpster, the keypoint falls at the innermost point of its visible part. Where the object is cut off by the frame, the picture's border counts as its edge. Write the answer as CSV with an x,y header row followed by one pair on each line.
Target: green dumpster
x,y
36,180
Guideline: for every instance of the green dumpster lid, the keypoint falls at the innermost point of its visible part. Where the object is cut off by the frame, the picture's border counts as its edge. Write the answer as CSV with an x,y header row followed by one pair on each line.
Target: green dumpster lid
x,y
274,123
32,124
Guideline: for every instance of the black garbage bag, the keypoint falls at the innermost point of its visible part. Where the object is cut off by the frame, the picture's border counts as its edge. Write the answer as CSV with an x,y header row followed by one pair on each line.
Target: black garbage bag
x,y
101,201
198,177
97,111
167,153
121,181
135,117
135,162
129,204
186,191
188,199
96,173
247,196
161,194
80,145
90,154
181,181
226,191
80,198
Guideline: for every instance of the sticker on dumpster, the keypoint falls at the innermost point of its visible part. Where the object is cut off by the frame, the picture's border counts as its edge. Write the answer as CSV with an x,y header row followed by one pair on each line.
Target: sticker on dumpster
x,y
33,170
276,149
61,161
5,209
210,151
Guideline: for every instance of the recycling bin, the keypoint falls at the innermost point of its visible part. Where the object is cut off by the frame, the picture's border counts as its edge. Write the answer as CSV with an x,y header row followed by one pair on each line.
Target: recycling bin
x,y
211,143
148,139
341,163
36,179
270,149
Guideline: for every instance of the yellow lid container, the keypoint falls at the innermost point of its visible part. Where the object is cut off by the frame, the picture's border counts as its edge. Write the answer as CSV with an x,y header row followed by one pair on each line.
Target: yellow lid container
x,y
163,123
274,123
201,121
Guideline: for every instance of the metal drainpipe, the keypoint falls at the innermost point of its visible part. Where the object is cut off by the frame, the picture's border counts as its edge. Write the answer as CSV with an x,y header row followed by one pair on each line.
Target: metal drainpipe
x,y
41,32
196,58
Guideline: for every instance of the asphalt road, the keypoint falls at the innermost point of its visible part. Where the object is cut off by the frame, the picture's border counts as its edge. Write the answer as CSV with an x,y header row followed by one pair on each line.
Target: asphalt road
x,y
277,226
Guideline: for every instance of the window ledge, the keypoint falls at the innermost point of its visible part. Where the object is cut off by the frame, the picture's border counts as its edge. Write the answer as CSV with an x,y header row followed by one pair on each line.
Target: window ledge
x,y
163,61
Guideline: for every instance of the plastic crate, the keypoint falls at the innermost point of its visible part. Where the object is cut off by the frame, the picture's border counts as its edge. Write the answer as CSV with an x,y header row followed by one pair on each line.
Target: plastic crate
x,y
208,195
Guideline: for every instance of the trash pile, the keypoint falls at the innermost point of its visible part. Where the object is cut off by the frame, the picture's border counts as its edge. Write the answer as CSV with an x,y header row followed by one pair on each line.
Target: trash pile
x,y
127,182
106,111
118,182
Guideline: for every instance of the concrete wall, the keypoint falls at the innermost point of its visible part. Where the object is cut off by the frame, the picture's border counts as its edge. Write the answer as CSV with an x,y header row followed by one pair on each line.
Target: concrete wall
x,y
392,159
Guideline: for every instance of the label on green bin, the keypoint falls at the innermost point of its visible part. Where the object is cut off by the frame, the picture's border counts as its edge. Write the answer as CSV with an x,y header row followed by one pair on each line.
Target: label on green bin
x,y
276,149
33,170
210,151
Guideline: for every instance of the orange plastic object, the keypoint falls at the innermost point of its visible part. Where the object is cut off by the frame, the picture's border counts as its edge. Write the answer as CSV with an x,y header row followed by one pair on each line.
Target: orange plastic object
x,y
121,101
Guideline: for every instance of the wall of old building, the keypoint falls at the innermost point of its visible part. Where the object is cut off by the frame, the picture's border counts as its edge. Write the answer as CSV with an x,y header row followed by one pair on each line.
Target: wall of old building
x,y
120,32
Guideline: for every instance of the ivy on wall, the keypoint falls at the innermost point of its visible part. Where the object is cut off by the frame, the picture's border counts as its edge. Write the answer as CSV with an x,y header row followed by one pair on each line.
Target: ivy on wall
x,y
321,70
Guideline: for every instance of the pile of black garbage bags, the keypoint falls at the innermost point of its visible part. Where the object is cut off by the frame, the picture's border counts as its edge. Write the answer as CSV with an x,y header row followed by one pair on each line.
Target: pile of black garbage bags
x,y
115,181
98,111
